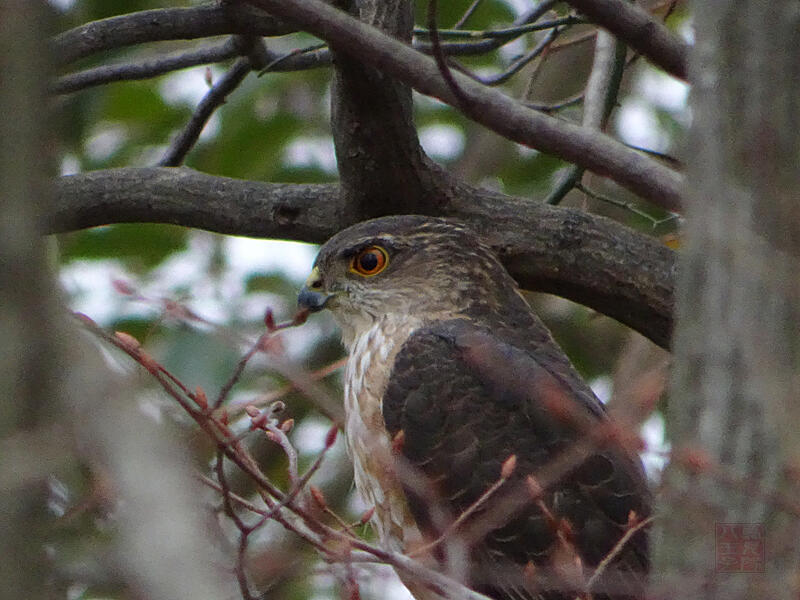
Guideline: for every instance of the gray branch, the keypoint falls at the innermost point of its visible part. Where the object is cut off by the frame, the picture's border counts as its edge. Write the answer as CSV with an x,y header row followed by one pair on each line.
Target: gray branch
x,y
144,68
590,149
164,24
583,257
634,26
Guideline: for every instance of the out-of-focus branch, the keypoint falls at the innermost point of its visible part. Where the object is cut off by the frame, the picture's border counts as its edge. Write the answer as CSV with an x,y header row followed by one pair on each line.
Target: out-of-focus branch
x,y
634,26
493,109
487,45
34,348
281,506
736,377
145,68
164,24
58,394
568,252
600,97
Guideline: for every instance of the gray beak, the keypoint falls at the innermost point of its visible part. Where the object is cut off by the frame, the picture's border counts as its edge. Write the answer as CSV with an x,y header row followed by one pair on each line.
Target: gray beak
x,y
311,295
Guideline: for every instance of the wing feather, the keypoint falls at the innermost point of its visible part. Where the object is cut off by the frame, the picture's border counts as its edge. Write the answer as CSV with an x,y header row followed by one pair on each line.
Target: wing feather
x,y
465,401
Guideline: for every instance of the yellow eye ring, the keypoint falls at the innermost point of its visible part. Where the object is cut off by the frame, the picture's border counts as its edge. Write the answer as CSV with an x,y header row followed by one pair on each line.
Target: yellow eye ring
x,y
370,261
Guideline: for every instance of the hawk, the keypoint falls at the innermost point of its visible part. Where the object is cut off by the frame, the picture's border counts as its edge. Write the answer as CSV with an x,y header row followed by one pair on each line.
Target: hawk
x,y
469,430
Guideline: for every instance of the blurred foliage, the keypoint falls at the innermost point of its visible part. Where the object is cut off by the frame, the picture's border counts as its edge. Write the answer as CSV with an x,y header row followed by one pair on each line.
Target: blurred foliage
x,y
143,278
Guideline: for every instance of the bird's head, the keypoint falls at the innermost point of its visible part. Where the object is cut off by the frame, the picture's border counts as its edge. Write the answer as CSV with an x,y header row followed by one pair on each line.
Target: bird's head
x,y
408,267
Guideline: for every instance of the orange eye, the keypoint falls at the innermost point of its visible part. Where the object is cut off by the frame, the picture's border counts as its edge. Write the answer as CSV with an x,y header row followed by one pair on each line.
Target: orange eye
x,y
370,261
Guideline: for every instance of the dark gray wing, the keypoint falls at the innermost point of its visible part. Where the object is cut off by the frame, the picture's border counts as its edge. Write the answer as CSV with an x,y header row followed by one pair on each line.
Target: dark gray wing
x,y
465,401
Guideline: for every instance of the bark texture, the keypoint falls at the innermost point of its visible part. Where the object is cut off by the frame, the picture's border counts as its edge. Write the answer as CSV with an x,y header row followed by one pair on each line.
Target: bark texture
x,y
734,409
568,252
32,353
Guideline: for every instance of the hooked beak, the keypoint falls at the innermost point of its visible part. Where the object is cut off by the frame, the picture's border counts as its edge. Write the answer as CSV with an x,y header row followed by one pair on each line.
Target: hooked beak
x,y
312,296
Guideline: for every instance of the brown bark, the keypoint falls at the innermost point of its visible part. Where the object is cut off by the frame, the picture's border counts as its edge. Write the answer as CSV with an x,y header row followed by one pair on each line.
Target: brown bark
x,y
564,251
490,107
734,408
31,351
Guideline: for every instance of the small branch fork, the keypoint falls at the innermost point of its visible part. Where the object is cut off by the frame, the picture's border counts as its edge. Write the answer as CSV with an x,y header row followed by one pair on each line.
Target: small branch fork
x,y
254,57
496,111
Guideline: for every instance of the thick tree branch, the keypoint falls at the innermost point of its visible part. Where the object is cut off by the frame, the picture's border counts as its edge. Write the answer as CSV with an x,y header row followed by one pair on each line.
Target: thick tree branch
x,y
583,257
640,31
493,109
309,213
163,24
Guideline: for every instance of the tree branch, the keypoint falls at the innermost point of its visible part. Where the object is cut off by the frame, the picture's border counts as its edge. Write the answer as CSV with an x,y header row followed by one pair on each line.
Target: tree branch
x,y
577,255
164,24
640,31
574,254
144,69
215,97
493,109
310,213
599,100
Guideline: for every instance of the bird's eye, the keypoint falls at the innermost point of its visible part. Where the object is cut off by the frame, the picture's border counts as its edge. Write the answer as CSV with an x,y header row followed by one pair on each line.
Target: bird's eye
x,y
370,261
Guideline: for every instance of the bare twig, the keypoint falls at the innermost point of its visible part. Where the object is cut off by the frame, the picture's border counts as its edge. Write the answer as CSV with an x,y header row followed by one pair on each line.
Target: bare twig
x,y
618,547
244,529
441,62
629,206
505,35
523,60
600,97
164,24
469,511
144,69
237,372
279,437
260,345
488,45
281,60
187,138
548,108
467,14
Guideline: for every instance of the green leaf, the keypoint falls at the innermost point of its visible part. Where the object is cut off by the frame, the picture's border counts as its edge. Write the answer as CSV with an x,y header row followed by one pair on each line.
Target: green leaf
x,y
141,245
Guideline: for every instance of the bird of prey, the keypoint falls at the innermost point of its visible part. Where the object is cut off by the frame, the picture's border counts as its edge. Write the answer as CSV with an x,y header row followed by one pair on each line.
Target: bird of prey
x,y
472,435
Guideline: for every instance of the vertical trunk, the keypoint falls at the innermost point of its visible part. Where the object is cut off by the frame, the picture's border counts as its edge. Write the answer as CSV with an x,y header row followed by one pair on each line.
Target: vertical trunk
x,y
735,405
31,350
51,405
382,167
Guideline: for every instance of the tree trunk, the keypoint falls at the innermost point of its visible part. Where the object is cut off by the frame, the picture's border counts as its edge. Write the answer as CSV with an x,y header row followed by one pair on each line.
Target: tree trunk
x,y
731,491
33,441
